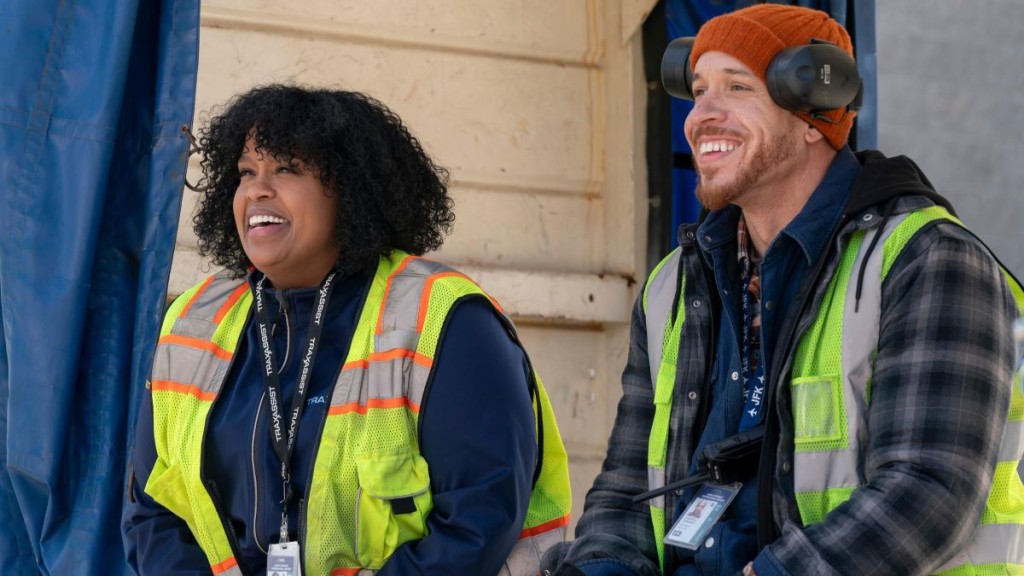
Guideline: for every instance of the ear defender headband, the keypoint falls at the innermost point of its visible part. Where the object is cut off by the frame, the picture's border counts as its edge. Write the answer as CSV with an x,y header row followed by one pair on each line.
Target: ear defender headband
x,y
813,78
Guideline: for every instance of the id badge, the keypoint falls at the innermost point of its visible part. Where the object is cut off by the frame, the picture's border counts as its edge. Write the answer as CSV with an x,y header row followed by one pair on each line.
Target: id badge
x,y
701,515
283,560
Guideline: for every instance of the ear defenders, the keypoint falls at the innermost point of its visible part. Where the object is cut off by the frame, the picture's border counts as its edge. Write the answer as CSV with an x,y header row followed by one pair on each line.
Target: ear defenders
x,y
812,78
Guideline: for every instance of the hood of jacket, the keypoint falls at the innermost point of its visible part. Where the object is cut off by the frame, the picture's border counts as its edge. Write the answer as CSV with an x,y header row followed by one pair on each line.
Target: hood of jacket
x,y
882,180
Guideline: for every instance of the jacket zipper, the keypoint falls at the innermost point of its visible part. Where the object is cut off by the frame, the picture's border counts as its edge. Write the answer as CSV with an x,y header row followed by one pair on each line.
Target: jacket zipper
x,y
256,476
302,520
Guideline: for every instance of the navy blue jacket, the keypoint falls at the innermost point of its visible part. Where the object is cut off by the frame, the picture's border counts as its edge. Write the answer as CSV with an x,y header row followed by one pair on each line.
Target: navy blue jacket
x,y
476,434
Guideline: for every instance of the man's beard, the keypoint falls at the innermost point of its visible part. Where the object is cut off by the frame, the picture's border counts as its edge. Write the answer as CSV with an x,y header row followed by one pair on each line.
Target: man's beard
x,y
780,149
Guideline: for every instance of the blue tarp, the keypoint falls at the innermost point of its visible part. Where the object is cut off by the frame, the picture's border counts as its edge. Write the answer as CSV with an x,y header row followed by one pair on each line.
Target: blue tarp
x,y
91,169
685,17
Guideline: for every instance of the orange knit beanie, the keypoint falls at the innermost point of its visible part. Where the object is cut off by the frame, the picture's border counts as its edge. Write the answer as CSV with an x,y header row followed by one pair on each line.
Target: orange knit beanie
x,y
754,35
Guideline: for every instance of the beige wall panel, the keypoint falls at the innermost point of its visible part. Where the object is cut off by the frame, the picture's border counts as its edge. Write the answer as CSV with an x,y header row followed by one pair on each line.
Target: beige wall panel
x,y
189,200
580,368
625,169
577,388
526,231
541,28
555,298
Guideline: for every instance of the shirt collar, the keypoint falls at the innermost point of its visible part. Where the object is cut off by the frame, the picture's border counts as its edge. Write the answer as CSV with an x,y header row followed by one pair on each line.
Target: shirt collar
x,y
812,227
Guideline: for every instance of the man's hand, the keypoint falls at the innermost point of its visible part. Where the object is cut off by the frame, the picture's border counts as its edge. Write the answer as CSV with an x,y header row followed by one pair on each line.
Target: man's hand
x,y
748,570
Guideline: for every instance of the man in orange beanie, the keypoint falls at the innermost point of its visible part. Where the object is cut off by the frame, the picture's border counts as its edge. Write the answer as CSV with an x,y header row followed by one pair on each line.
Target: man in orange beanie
x,y
820,376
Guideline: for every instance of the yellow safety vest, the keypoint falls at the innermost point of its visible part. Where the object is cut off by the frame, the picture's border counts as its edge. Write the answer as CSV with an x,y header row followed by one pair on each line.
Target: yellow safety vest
x,y
369,451
830,383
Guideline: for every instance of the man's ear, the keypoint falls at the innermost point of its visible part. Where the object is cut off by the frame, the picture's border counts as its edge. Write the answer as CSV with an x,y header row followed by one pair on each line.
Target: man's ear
x,y
812,134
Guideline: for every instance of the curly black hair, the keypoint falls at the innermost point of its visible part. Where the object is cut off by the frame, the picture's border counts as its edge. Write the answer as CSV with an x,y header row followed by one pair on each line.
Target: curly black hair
x,y
390,194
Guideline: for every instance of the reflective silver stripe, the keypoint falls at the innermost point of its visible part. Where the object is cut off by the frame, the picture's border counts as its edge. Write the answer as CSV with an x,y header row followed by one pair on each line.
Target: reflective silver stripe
x,y
349,388
656,479
817,471
1011,449
233,571
201,329
422,267
401,309
991,544
387,379
525,557
396,339
399,332
190,365
352,386
661,292
214,295
198,319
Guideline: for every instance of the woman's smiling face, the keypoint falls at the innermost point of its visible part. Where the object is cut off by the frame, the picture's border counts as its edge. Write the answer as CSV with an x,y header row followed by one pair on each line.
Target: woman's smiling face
x,y
285,219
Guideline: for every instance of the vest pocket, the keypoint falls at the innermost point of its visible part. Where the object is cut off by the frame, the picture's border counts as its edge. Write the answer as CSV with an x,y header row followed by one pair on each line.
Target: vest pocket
x,y
818,414
393,501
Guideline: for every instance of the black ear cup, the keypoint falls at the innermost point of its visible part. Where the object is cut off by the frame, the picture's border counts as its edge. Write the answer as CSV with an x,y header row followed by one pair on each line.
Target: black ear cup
x,y
676,75
814,78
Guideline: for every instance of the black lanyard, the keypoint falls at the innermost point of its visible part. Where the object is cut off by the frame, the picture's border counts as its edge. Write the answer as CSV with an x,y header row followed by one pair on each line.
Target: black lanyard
x,y
283,445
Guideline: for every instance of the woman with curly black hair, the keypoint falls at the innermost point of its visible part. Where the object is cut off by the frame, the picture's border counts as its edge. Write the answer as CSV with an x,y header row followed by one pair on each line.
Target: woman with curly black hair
x,y
331,400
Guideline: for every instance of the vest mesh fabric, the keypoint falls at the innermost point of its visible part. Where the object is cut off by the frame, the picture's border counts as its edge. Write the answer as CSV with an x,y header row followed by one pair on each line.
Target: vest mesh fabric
x,y
550,499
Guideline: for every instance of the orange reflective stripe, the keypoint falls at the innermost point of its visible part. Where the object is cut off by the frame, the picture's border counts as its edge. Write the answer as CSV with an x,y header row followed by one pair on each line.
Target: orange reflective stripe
x,y
170,386
376,403
345,571
387,290
495,304
224,566
387,357
184,309
401,353
198,344
425,296
545,527
230,302
355,364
